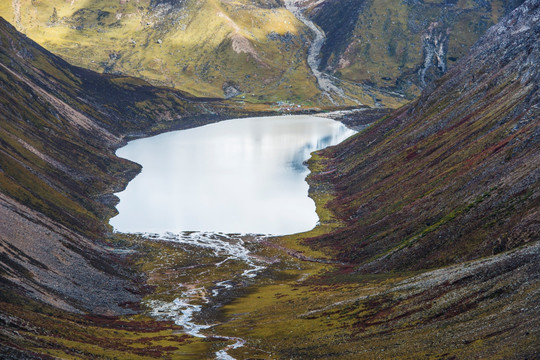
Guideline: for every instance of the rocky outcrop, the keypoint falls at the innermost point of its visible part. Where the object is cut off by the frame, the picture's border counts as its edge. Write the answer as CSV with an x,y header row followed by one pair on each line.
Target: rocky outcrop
x,y
434,48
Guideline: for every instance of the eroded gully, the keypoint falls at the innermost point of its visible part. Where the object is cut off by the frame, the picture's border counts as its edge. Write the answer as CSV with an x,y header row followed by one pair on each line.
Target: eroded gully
x,y
325,81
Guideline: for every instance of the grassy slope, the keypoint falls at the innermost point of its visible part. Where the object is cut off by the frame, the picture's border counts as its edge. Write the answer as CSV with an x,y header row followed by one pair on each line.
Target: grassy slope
x,y
481,309
202,47
257,47
454,175
199,46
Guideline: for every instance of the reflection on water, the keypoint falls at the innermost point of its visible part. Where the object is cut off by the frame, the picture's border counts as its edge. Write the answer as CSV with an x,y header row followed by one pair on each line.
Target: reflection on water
x,y
244,176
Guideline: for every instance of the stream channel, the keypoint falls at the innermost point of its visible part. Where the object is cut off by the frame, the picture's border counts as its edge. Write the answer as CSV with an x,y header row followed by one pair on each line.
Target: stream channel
x,y
325,81
211,187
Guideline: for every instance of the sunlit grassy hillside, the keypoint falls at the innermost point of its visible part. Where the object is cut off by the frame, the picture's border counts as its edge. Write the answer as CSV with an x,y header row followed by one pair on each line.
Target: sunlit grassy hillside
x,y
256,50
253,50
209,48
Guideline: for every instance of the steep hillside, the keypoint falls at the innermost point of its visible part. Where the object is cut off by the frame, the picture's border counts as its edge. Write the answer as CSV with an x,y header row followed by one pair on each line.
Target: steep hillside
x,y
400,45
59,128
454,175
439,252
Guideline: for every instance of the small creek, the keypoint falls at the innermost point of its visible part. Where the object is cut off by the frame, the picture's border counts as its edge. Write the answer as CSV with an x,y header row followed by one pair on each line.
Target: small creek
x,y
185,307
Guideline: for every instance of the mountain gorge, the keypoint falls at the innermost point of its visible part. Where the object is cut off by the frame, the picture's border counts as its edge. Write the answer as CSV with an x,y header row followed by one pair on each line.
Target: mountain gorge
x,y
428,241
400,45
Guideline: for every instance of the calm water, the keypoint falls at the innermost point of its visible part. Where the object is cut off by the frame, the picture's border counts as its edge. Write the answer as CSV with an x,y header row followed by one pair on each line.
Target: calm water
x,y
236,176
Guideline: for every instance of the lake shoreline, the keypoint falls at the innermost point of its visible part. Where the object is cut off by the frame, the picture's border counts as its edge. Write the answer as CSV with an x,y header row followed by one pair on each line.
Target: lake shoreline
x,y
241,175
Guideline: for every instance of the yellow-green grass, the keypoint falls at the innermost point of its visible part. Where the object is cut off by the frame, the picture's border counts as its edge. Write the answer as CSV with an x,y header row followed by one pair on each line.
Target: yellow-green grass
x,y
200,49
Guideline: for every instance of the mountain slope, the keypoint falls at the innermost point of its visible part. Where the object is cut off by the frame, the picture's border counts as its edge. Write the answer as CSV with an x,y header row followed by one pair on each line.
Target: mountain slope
x,y
209,48
66,286
257,50
454,175
59,128
438,256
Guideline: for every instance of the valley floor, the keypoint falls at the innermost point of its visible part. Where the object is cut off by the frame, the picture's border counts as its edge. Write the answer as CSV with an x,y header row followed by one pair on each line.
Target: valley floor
x,y
279,299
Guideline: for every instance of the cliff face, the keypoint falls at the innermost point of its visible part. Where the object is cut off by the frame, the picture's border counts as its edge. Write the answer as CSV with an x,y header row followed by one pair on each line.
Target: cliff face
x,y
454,175
59,128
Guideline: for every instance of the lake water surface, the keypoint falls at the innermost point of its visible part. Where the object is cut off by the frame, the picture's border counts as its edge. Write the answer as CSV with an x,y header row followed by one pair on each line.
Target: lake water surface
x,y
236,176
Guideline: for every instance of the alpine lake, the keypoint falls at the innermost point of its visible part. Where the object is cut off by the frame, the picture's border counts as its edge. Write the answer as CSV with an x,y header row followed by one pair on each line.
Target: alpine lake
x,y
236,176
